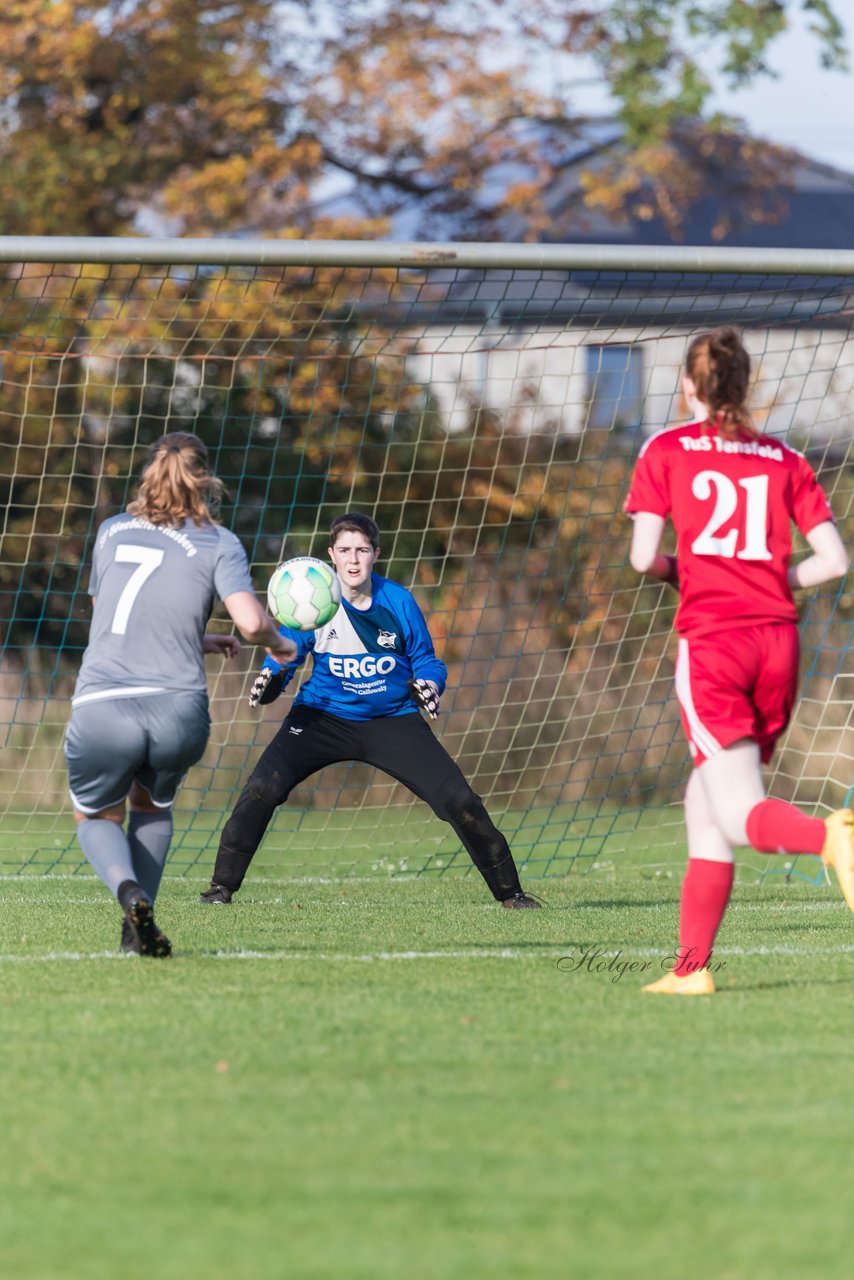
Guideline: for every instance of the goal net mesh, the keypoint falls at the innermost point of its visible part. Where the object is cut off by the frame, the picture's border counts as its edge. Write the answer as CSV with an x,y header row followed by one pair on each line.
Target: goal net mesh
x,y
488,419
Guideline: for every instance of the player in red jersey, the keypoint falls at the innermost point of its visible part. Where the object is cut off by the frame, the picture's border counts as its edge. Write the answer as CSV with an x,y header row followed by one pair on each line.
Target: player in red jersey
x,y
732,495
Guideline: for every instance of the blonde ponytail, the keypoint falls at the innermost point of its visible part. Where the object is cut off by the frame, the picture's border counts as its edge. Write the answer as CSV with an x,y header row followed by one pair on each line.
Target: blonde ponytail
x,y
177,483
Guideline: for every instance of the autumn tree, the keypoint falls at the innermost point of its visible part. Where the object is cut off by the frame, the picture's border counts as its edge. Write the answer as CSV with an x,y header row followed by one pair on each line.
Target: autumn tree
x,y
300,409
302,396
222,116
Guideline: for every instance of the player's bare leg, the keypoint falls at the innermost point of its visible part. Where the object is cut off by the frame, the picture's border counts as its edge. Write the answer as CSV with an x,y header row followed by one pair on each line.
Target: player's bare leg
x,y
733,782
725,804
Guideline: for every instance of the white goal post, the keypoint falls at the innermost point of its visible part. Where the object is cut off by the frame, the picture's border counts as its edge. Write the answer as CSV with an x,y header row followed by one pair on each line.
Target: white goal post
x,y
485,403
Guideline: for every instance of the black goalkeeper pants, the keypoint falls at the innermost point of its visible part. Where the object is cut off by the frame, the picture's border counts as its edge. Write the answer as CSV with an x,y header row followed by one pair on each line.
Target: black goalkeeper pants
x,y
404,747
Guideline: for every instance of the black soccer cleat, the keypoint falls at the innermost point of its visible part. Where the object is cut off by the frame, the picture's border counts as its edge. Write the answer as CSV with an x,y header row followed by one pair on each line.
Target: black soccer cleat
x,y
140,934
216,893
129,944
521,901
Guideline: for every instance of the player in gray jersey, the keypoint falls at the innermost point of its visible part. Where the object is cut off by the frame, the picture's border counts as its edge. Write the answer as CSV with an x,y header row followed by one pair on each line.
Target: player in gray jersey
x,y
139,715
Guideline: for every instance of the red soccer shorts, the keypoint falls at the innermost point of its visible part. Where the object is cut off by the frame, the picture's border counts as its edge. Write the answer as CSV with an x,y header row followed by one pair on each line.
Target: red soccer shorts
x,y
737,684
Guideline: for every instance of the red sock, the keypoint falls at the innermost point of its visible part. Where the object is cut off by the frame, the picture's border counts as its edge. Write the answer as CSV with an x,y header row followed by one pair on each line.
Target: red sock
x,y
776,827
705,894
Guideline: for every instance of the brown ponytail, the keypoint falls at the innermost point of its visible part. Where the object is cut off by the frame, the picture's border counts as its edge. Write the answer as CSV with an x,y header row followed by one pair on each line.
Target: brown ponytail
x,y
719,367
177,482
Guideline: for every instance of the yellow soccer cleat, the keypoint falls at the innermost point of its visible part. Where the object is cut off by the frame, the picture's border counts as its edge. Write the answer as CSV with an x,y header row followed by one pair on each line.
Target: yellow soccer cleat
x,y
699,983
838,851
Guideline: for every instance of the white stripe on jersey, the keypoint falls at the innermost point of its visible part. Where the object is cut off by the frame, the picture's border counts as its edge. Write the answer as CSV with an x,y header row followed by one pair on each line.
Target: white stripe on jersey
x,y
339,636
123,691
703,737
663,431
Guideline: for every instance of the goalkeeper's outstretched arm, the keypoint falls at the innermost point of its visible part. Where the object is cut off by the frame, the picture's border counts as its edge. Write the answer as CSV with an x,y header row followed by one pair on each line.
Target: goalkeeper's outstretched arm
x,y
267,686
277,672
428,674
426,695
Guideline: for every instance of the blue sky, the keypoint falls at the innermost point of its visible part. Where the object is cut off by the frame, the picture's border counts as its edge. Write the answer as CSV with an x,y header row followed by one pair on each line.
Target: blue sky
x,y
807,107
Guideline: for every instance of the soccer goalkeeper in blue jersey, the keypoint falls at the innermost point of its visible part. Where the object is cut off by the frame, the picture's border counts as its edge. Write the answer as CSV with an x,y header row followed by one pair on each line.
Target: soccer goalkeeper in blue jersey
x,y
374,669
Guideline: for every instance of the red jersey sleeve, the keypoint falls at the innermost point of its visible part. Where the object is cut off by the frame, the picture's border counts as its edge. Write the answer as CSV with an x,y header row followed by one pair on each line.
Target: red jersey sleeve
x,y
649,489
809,504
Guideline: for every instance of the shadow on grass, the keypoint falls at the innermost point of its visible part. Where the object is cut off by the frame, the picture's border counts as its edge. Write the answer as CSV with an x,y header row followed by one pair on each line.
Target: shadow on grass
x,y
600,904
783,983
783,929
618,904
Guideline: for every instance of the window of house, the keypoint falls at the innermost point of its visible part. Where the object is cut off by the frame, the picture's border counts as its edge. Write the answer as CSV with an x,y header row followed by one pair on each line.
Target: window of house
x,y
614,387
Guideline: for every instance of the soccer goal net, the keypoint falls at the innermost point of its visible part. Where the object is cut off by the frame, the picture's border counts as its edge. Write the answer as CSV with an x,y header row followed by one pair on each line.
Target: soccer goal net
x,y
485,405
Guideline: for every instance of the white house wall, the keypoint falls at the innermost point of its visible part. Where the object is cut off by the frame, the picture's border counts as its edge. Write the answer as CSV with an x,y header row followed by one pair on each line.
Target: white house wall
x,y
536,378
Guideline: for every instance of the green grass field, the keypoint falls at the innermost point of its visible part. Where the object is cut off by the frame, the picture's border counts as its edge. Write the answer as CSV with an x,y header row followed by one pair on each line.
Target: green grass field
x,y
399,1081
549,842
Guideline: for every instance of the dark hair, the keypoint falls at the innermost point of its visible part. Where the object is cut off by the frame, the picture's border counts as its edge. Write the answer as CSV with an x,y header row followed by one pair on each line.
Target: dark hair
x,y
355,522
719,366
177,482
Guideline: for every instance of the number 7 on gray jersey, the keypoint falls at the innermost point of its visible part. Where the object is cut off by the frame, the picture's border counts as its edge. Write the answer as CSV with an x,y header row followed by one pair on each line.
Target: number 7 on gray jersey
x,y
147,559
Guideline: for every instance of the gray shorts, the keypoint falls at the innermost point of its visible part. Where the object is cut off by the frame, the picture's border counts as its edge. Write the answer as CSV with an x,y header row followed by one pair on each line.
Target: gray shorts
x,y
153,740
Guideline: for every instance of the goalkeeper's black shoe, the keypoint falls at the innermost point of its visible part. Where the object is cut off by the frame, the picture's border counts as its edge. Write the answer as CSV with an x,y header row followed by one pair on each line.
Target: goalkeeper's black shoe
x,y
521,901
140,933
216,893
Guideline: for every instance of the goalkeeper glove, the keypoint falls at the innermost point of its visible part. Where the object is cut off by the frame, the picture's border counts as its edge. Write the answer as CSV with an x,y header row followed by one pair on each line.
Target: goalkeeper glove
x,y
426,696
266,687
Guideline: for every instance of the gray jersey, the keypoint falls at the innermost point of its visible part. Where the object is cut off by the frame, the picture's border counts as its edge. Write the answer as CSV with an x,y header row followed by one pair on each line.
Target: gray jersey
x,y
155,587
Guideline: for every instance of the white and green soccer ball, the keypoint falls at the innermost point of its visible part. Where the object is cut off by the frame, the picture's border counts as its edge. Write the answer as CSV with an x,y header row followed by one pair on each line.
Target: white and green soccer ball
x,y
304,593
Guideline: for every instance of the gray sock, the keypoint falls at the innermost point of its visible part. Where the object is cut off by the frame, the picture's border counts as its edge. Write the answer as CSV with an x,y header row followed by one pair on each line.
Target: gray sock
x,y
150,835
107,851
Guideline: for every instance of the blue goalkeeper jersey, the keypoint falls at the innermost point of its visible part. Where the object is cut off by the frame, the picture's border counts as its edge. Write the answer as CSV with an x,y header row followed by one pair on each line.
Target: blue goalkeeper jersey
x,y
364,658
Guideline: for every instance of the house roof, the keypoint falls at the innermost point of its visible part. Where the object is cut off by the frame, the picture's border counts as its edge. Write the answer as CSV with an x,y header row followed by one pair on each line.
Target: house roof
x,y
816,211
670,301
814,202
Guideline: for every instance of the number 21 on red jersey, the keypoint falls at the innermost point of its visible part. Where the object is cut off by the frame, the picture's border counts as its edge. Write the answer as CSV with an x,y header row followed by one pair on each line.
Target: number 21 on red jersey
x,y
748,539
